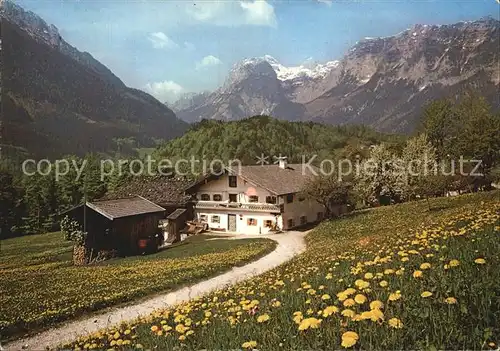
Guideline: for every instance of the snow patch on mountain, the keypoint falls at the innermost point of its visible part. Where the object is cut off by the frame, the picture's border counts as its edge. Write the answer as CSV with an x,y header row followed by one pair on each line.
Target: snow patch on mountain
x,y
307,70
317,71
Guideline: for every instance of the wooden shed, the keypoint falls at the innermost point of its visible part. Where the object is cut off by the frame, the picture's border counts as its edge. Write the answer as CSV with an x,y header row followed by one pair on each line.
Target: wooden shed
x,y
119,225
176,221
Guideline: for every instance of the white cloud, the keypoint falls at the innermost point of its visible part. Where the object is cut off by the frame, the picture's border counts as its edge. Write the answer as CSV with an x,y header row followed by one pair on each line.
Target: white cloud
x,y
259,12
208,61
234,13
160,40
189,46
326,2
166,91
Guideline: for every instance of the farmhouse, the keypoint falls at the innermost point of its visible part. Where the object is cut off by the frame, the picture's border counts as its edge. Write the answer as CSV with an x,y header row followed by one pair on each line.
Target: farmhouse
x,y
255,199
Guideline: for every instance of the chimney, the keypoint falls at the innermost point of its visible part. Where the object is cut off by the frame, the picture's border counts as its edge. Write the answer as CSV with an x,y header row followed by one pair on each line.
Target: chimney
x,y
282,163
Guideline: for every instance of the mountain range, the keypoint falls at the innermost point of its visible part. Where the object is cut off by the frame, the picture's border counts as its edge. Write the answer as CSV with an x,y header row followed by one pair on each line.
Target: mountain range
x,y
58,100
380,82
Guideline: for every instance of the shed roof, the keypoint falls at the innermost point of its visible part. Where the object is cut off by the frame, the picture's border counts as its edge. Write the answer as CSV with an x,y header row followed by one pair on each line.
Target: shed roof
x,y
125,207
162,190
178,212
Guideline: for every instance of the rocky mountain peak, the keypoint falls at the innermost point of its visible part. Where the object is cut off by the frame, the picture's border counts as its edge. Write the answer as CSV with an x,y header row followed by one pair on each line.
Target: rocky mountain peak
x,y
383,82
48,34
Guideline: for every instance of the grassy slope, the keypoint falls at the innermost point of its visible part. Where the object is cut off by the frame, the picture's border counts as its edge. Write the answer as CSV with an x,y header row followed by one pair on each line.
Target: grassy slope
x,y
39,285
339,253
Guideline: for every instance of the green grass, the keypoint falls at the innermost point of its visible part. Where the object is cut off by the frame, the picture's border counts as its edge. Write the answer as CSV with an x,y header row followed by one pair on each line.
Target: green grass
x,y
40,286
382,247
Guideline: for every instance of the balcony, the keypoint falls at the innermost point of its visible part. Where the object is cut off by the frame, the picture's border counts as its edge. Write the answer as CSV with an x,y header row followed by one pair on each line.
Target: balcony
x,y
237,206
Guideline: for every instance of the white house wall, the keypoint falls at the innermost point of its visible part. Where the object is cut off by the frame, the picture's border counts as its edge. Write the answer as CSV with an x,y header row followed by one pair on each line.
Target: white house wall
x,y
297,209
241,220
221,186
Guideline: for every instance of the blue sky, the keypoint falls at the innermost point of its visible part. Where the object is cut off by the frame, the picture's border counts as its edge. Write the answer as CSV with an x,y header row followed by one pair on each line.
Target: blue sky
x,y
169,47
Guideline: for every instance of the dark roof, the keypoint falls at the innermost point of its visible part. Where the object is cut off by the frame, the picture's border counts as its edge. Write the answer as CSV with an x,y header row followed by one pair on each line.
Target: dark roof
x,y
119,208
279,181
176,213
161,190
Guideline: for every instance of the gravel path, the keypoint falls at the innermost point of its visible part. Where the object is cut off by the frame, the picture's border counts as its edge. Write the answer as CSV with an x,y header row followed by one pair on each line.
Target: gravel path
x,y
289,245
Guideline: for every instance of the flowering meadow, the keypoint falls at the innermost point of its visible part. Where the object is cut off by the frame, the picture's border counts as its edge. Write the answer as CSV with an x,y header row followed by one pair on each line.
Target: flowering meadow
x,y
397,277
39,284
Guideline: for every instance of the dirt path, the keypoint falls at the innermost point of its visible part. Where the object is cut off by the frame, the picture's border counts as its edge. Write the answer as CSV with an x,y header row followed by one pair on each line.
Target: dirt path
x,y
289,245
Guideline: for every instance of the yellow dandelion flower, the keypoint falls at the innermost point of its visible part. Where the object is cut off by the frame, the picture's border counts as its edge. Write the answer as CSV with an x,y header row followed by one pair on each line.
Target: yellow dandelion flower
x,y
395,323
154,329
376,315
349,302
342,296
263,318
348,313
454,263
182,337
180,328
395,296
325,297
328,311
377,304
307,323
383,283
349,291
425,265
368,275
249,344
361,284
418,274
360,299
349,339
450,300
426,294
480,261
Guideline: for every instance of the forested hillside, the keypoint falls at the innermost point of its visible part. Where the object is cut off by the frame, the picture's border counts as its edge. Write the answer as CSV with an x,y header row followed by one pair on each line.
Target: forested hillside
x,y
250,138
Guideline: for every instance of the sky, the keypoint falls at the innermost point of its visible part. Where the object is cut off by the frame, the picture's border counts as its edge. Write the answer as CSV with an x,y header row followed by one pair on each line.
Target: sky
x,y
169,47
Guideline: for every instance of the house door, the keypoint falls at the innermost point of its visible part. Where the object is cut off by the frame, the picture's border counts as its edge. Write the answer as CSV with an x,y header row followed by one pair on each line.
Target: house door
x,y
231,223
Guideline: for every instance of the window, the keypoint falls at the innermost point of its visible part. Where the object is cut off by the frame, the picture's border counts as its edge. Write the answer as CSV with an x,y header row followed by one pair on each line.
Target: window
x,y
203,218
319,216
217,197
233,197
205,197
233,182
251,221
253,198
291,223
303,220
289,198
268,223
215,219
271,200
